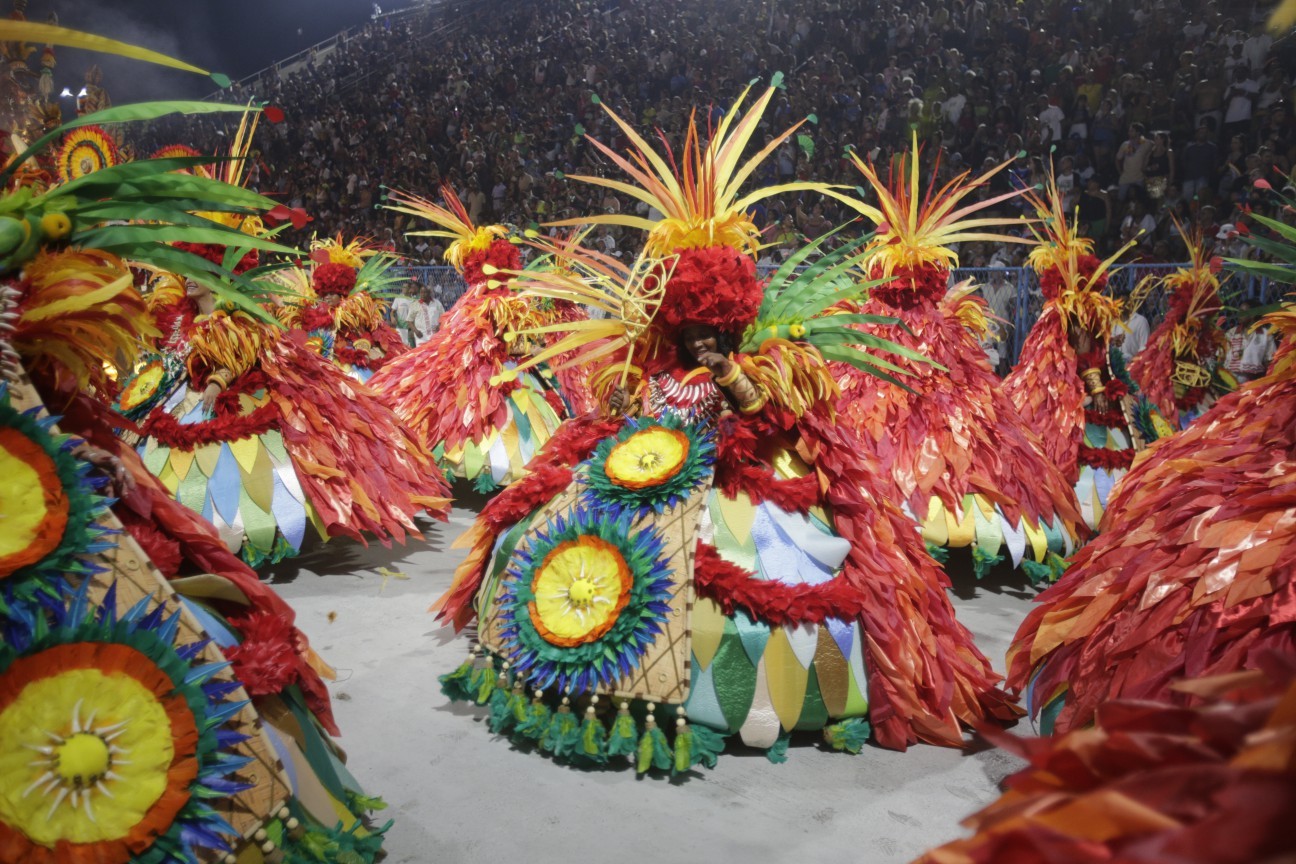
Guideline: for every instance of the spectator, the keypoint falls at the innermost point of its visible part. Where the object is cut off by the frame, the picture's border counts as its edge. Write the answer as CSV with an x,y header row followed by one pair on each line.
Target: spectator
x,y
1132,159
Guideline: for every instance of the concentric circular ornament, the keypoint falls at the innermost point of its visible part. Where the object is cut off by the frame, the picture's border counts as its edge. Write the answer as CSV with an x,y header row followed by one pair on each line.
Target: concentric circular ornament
x,y
148,387
584,600
173,150
650,465
48,503
84,151
111,742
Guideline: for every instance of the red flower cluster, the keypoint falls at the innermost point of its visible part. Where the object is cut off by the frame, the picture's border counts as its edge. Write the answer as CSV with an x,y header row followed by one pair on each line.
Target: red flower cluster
x,y
170,432
1191,399
316,318
910,287
267,660
331,278
715,286
215,253
1101,457
501,254
350,356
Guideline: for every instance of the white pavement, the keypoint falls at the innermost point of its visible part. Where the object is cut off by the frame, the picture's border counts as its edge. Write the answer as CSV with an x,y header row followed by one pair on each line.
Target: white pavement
x,y
459,794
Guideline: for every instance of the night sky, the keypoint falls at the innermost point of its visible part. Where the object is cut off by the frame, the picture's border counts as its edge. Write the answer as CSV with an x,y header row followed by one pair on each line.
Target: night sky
x,y
237,37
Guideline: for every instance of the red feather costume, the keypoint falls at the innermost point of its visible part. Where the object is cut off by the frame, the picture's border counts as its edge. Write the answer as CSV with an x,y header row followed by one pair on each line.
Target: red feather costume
x,y
1192,575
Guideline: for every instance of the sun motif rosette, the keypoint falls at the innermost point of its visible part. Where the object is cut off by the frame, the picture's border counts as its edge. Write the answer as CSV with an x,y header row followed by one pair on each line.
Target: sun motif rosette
x,y
49,507
150,385
111,741
585,601
649,466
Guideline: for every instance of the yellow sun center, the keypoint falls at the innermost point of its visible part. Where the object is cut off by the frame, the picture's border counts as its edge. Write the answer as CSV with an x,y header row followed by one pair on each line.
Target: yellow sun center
x,y
647,458
82,759
580,589
582,592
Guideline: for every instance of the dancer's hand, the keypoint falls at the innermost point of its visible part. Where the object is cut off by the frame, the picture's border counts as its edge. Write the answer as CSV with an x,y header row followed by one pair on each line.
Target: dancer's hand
x,y
618,400
717,364
107,463
209,398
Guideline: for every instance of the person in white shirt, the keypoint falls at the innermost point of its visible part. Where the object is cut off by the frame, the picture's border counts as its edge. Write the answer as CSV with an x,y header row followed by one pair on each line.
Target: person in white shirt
x,y
427,316
1131,335
402,313
1249,351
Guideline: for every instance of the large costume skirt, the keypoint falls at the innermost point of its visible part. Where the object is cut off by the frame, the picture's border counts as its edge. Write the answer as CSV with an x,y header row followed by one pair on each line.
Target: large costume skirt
x,y
1191,575
308,450
189,742
958,455
627,566
499,455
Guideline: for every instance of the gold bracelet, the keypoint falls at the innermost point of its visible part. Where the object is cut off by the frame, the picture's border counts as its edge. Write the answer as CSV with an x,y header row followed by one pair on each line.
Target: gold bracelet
x,y
1093,381
219,378
731,376
753,406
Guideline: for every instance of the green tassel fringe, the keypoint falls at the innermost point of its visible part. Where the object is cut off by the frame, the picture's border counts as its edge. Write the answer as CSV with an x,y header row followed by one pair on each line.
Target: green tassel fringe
x,y
592,748
848,736
697,745
536,722
1046,571
983,561
562,736
455,684
484,482
940,553
624,735
653,751
501,718
481,684
778,752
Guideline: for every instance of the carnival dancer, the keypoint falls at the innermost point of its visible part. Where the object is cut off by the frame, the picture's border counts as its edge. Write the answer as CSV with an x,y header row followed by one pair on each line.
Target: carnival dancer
x,y
264,437
1180,371
968,468
449,391
340,303
1069,384
709,560
128,734
1192,575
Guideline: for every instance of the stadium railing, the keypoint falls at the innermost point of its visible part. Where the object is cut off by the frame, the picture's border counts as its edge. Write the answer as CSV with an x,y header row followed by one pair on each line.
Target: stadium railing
x,y
1024,304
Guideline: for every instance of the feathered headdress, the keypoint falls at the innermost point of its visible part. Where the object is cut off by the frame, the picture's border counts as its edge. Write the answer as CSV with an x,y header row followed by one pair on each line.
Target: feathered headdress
x,y
698,193
137,210
472,246
1071,276
915,230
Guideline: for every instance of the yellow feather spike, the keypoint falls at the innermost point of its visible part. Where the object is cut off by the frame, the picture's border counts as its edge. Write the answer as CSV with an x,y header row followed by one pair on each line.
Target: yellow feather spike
x,y
916,230
452,220
228,341
697,194
1061,249
630,296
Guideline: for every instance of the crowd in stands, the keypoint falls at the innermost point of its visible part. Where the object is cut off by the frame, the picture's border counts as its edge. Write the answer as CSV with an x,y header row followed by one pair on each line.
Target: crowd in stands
x,y
1147,110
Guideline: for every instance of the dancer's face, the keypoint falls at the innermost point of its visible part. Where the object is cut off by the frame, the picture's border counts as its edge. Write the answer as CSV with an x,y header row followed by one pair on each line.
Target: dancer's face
x,y
700,339
195,291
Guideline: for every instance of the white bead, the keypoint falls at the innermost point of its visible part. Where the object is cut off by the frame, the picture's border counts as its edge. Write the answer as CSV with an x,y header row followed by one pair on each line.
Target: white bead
x,y
681,723
292,823
284,813
680,711
594,699
566,701
267,847
652,706
260,835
